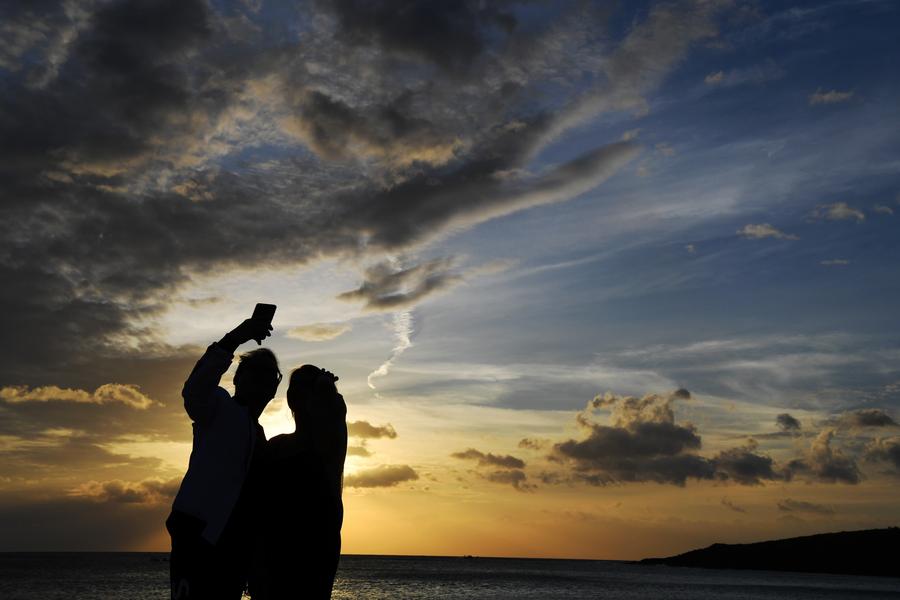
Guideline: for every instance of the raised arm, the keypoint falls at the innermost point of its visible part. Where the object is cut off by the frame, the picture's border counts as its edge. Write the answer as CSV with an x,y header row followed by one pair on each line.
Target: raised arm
x,y
199,390
330,414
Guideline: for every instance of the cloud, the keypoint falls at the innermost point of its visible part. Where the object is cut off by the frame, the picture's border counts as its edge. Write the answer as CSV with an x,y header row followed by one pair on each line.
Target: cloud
x,y
318,332
365,430
361,451
789,505
643,443
336,131
665,149
387,287
835,262
753,75
513,477
745,466
376,155
55,454
787,423
148,491
714,78
129,395
532,444
450,36
864,417
838,211
732,506
403,330
381,476
829,97
823,463
488,459
882,209
764,230
884,450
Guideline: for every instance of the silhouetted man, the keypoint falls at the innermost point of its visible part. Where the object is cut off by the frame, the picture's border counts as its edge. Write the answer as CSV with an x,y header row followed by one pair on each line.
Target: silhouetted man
x,y
209,520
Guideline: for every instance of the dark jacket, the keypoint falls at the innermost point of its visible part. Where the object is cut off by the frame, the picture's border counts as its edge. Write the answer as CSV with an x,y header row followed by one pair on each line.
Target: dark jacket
x,y
301,512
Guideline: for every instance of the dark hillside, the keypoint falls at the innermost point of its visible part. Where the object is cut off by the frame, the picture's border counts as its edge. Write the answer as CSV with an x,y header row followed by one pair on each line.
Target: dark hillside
x,y
868,552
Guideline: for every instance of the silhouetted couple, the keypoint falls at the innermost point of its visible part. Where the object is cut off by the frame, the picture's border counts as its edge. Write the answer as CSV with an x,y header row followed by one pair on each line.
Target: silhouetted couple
x,y
252,512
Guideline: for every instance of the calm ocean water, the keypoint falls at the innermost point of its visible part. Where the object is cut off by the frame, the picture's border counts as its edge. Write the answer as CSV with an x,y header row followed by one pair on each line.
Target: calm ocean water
x,y
140,576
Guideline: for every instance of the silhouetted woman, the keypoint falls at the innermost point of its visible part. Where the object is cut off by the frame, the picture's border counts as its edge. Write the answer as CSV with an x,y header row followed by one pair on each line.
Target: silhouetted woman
x,y
301,510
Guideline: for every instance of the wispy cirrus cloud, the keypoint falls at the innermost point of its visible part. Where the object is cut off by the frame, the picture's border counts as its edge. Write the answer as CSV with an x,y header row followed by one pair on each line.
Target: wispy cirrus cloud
x,y
755,74
829,97
838,211
802,506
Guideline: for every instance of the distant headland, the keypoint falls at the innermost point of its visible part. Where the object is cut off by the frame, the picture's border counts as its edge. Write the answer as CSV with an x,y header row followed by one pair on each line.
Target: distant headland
x,y
867,552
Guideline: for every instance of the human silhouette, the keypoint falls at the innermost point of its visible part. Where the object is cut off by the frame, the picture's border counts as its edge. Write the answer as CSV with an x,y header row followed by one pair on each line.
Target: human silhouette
x,y
209,523
299,532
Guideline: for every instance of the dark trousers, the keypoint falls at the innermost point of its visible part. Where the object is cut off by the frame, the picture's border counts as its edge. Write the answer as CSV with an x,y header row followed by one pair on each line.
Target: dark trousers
x,y
199,570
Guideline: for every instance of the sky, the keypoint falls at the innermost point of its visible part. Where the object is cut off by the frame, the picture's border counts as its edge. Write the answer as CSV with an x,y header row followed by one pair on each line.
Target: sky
x,y
600,279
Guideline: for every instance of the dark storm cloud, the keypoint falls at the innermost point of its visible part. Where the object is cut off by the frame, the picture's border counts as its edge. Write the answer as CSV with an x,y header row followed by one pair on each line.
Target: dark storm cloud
x,y
824,463
336,131
885,450
488,459
381,476
116,120
365,430
745,466
787,423
448,34
123,84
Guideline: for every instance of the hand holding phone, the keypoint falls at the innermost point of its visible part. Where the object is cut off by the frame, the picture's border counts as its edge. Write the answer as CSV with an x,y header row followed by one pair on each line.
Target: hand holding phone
x,y
262,317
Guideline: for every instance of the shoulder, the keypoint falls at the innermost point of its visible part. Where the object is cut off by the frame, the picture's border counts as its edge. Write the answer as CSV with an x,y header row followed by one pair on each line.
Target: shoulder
x,y
283,446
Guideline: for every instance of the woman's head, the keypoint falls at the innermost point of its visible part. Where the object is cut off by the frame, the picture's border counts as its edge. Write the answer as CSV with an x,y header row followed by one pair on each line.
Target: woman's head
x,y
310,393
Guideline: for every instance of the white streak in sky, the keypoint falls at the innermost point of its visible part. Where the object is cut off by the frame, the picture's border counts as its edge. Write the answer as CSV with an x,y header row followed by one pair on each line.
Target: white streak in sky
x,y
402,332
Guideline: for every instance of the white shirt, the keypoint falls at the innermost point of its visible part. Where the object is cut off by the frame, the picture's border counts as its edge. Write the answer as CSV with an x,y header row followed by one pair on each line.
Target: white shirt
x,y
224,440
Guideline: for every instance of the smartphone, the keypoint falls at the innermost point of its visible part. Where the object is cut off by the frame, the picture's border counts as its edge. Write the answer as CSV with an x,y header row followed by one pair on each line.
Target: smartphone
x,y
264,312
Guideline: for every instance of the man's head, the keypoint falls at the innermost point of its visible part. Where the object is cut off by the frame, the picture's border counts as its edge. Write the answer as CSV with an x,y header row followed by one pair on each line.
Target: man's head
x,y
257,378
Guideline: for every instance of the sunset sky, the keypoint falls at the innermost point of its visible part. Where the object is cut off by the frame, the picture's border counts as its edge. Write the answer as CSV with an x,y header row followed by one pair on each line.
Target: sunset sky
x,y
600,279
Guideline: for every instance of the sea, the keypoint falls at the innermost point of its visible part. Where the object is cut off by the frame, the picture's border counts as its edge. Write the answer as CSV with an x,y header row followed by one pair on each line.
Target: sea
x,y
144,576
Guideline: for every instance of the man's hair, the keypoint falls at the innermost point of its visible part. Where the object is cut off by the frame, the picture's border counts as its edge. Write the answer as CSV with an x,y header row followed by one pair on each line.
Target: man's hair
x,y
257,362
